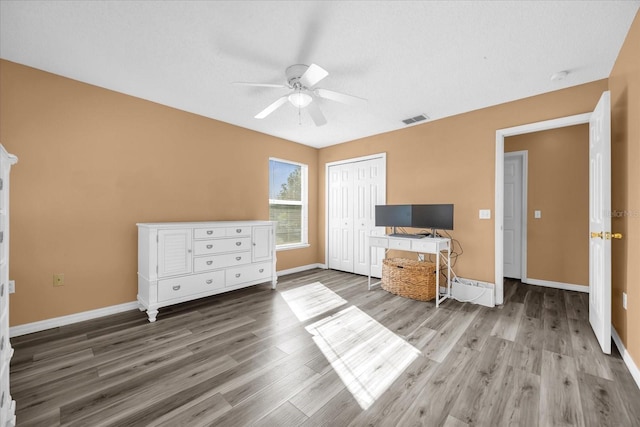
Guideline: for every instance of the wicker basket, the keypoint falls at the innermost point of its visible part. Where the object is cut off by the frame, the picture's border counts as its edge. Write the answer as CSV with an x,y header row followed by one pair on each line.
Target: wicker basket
x,y
409,278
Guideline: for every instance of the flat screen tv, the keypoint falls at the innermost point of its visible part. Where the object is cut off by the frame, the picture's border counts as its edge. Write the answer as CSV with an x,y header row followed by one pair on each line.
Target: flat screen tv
x,y
437,217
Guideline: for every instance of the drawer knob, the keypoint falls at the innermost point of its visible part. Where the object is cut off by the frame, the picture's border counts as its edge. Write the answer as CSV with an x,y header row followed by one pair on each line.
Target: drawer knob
x,y
238,230
209,282
2,344
209,246
209,262
2,400
237,274
261,270
176,288
238,258
238,243
2,290
209,232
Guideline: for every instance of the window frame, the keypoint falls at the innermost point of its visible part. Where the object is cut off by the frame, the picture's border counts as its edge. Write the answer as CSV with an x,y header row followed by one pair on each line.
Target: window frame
x,y
304,203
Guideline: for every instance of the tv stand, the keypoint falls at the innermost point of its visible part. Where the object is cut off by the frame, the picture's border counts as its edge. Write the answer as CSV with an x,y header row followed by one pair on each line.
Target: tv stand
x,y
439,246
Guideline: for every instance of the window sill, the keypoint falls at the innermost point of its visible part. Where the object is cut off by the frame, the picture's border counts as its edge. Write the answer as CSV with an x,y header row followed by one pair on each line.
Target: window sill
x,y
292,246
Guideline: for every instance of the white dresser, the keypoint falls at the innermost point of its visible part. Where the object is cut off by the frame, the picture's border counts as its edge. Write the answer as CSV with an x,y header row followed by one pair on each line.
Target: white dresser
x,y
7,404
182,261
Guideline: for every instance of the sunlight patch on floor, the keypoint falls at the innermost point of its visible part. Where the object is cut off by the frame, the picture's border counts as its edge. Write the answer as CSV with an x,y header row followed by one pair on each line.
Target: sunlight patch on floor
x,y
312,300
367,356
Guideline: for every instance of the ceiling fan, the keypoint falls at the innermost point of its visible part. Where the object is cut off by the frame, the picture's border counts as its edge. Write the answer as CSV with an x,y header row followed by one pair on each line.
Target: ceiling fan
x,y
301,79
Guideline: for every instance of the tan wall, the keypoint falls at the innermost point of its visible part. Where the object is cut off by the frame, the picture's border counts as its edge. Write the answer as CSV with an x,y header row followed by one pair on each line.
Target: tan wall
x,y
452,160
624,83
93,162
558,186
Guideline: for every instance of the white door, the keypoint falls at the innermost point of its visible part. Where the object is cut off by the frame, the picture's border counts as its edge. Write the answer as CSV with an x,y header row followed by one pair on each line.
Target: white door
x,y
341,217
513,224
354,189
369,191
600,222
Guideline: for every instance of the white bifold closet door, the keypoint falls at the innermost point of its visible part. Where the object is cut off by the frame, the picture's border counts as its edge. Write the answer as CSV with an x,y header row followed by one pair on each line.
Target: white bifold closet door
x,y
355,188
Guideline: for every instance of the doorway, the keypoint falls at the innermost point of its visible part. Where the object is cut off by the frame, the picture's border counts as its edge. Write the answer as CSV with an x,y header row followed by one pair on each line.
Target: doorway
x,y
501,134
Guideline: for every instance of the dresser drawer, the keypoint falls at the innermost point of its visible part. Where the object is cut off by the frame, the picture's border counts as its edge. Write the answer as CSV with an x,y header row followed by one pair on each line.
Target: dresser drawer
x,y
400,244
5,397
213,262
209,233
249,273
217,246
237,231
5,344
189,285
4,294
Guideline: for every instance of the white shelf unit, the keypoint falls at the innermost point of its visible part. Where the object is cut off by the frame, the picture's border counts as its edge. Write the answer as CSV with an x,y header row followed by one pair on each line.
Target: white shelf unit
x,y
7,404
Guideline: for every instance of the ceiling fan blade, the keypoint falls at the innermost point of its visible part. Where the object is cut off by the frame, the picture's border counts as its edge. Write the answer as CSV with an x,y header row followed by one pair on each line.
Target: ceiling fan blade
x,y
258,84
313,75
339,97
271,108
316,115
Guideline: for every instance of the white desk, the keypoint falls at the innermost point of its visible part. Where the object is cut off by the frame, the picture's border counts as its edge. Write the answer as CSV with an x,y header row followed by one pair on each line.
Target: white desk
x,y
426,245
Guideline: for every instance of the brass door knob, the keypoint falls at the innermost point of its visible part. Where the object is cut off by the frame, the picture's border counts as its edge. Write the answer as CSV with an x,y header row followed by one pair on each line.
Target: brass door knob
x,y
613,235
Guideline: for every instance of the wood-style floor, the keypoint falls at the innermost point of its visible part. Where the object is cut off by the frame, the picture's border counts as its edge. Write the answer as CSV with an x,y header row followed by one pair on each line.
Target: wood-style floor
x,y
322,350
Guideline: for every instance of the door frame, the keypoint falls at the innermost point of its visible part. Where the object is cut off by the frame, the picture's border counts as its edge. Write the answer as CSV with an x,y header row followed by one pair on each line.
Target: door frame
x,y
382,156
501,134
524,172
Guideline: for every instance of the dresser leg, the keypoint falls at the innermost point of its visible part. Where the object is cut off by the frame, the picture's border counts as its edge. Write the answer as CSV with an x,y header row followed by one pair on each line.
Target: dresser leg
x,y
152,315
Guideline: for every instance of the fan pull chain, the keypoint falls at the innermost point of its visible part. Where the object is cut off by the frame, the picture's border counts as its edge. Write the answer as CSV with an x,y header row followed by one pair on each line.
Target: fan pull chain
x,y
299,117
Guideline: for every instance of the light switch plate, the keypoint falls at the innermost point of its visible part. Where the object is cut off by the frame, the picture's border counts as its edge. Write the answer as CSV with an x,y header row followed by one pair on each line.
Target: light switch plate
x,y
537,214
485,213
624,300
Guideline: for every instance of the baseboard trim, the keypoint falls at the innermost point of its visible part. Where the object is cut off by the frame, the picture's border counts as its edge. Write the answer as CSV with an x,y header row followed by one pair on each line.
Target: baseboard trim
x,y
557,285
633,368
300,269
56,322
42,325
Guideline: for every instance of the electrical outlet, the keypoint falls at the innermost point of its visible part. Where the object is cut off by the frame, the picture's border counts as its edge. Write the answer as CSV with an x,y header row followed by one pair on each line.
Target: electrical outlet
x,y
624,300
12,286
58,279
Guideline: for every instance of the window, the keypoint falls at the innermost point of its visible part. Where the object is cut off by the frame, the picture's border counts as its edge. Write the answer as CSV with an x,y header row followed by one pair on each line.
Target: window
x,y
288,202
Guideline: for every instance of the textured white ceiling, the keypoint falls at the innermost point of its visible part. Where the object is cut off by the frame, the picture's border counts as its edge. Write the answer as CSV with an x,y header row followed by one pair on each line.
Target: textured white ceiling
x,y
439,58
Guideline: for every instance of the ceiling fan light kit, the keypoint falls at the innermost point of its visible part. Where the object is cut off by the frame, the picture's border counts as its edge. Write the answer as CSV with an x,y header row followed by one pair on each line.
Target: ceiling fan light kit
x,y
300,99
301,79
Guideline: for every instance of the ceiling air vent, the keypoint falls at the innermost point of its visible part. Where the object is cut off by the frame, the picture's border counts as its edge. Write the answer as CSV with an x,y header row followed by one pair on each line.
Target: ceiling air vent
x,y
415,119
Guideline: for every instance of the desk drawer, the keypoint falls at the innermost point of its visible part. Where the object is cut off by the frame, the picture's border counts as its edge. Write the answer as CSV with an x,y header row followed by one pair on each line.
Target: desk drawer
x,y
400,244
213,262
425,246
378,242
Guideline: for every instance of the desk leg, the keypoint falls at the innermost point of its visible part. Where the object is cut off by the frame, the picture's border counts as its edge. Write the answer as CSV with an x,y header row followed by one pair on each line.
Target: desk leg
x,y
438,280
